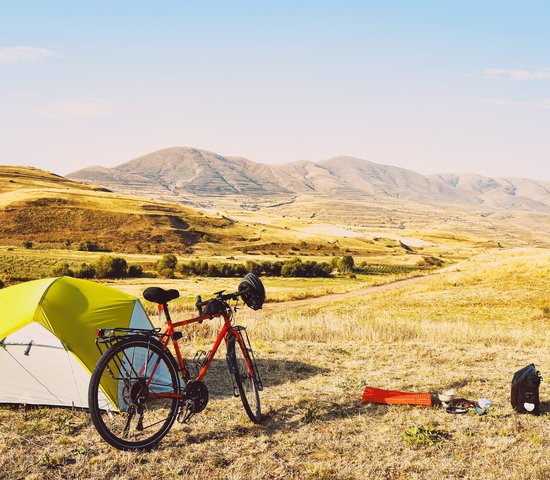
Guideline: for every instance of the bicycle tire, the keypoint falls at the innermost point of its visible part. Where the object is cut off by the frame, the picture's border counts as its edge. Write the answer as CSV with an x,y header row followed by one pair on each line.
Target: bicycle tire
x,y
247,385
121,367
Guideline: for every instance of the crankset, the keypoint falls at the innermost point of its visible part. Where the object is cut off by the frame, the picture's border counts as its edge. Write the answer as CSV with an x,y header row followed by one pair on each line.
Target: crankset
x,y
196,399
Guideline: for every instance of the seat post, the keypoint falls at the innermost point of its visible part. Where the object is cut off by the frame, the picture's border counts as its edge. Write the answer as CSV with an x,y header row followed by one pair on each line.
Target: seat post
x,y
166,313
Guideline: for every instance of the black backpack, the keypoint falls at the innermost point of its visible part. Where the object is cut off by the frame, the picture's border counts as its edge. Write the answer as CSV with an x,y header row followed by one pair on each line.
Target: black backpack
x,y
525,390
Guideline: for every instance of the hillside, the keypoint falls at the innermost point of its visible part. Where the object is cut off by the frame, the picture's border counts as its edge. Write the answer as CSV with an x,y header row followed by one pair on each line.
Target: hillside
x,y
405,217
204,178
52,211
55,213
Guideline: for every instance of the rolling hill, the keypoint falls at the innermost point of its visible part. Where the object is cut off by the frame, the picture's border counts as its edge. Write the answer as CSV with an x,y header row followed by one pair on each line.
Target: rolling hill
x,y
53,211
56,213
203,178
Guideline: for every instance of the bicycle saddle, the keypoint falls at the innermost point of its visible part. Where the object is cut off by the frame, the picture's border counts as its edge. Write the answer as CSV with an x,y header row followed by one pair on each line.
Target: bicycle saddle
x,y
159,295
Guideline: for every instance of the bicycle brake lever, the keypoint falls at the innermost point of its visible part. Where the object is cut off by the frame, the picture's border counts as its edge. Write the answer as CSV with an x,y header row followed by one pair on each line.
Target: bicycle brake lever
x,y
198,305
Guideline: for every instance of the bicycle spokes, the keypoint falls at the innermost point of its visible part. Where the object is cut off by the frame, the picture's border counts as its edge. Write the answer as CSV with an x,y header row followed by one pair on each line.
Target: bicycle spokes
x,y
140,383
243,367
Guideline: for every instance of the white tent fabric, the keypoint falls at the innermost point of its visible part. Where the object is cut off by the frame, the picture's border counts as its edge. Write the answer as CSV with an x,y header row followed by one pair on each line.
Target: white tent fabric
x,y
36,369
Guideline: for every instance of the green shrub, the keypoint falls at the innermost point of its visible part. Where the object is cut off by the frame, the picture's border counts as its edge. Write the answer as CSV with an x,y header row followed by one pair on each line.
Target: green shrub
x,y
213,270
166,272
88,246
85,270
346,264
290,268
185,269
201,267
233,270
61,269
272,269
26,244
309,269
135,271
110,267
167,262
253,267
195,267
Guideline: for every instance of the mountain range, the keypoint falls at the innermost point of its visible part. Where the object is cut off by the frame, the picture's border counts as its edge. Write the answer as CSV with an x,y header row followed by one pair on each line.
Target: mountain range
x,y
202,178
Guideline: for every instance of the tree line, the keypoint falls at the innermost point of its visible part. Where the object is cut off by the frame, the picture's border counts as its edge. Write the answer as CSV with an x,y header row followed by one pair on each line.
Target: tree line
x,y
104,267
168,267
116,267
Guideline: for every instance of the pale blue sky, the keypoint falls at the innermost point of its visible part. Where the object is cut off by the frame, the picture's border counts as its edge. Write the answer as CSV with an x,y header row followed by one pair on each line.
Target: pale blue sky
x,y
433,86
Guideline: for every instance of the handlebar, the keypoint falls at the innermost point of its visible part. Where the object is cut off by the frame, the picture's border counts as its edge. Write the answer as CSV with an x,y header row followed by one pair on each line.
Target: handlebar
x,y
251,290
220,296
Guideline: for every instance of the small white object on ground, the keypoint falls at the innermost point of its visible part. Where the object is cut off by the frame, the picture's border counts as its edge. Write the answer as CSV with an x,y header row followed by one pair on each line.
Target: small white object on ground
x,y
447,396
484,402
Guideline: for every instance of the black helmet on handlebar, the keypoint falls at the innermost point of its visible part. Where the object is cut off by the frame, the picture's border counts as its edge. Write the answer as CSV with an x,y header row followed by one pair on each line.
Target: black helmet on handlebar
x,y
252,291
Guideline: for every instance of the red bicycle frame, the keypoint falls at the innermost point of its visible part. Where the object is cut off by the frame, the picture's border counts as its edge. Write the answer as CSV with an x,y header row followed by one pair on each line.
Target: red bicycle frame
x,y
169,334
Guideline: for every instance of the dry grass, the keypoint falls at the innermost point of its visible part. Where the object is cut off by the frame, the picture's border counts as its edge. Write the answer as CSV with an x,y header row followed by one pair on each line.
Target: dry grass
x,y
469,329
315,426
499,297
279,289
506,227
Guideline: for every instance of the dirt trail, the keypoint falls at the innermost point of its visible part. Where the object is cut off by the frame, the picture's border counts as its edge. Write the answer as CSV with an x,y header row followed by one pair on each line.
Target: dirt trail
x,y
354,293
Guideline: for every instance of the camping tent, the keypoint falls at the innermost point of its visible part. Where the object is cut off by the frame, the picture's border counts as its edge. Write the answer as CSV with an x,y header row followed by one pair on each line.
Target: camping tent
x,y
47,337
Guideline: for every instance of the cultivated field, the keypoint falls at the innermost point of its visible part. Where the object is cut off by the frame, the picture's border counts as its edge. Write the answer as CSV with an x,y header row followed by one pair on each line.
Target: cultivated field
x,y
505,227
469,327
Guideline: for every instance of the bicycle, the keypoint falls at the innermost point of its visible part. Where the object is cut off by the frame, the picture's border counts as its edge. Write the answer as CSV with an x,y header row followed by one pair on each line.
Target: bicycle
x,y
138,389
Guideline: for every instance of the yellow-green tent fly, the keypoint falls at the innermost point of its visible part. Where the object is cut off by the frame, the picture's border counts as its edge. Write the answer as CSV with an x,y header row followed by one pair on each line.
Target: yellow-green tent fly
x,y
47,339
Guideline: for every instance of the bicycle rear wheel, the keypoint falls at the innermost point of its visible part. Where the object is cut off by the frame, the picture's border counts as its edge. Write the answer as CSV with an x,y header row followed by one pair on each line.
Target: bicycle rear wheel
x,y
128,393
241,365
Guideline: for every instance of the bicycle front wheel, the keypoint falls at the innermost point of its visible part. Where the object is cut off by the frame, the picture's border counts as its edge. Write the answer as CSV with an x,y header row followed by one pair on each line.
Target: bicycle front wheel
x,y
131,394
241,365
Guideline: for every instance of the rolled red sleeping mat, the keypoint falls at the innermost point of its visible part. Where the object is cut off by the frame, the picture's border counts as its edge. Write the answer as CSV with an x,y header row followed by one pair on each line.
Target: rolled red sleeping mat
x,y
393,397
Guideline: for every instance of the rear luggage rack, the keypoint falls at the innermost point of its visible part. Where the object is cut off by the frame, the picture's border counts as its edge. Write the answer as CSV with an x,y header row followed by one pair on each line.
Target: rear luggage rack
x,y
106,337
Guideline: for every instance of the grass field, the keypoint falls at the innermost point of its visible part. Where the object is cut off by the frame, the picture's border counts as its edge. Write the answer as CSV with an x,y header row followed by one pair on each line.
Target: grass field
x,y
20,264
505,227
469,328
